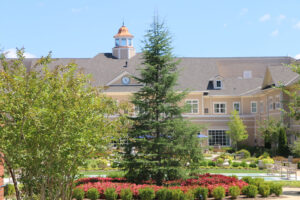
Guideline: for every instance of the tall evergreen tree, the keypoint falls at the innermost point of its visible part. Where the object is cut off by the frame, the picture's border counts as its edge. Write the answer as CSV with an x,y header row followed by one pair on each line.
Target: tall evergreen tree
x,y
161,143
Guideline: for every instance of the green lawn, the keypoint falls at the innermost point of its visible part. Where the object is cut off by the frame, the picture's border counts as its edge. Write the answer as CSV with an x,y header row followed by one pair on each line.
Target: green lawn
x,y
103,172
289,183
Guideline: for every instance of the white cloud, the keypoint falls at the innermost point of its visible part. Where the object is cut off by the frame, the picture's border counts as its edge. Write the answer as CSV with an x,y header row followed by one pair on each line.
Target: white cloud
x,y
265,17
244,11
297,25
12,53
275,33
281,17
297,56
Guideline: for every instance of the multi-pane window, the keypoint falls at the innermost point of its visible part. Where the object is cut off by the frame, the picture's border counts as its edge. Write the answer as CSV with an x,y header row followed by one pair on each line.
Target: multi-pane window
x,y
193,106
123,42
220,108
218,137
218,84
253,107
278,104
236,106
261,106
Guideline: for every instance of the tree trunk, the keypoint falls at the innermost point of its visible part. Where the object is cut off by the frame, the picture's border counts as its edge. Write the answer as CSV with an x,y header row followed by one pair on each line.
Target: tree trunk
x,y
13,176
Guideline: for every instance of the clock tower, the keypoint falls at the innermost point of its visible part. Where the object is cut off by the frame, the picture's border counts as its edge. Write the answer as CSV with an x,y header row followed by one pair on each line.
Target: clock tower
x,y
123,44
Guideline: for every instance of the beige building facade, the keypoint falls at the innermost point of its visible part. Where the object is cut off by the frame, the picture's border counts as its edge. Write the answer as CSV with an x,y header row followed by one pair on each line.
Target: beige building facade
x,y
216,87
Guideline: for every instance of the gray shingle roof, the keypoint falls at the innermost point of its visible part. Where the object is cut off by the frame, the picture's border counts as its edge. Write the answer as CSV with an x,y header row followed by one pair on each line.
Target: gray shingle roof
x,y
195,73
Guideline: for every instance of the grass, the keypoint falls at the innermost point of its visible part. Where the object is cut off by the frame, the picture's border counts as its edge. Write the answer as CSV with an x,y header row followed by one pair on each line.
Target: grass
x,y
289,183
110,173
232,171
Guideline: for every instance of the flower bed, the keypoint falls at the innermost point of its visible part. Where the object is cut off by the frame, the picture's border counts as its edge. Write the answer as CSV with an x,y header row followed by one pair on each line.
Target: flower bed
x,y
206,180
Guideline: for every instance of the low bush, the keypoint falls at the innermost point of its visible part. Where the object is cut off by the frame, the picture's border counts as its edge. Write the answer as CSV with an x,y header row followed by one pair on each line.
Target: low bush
x,y
146,194
110,194
250,191
189,195
211,163
219,193
126,194
247,179
92,194
264,190
235,164
257,181
78,194
201,193
245,152
203,163
252,165
234,192
163,194
275,188
220,161
177,194
243,164
9,190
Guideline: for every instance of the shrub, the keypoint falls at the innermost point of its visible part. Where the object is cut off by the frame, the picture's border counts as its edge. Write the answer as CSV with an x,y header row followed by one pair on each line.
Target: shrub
x,y
250,191
245,152
110,194
78,194
92,194
146,194
298,165
189,195
219,192
252,165
211,163
9,190
235,164
201,193
126,194
264,190
247,179
243,164
268,160
257,181
234,192
162,194
276,189
177,195
203,163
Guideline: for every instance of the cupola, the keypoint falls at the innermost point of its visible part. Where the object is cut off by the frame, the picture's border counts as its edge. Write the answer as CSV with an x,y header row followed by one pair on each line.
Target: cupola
x,y
123,44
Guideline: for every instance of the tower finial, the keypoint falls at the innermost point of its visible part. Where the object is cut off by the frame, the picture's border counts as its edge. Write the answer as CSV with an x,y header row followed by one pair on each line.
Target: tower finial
x,y
123,22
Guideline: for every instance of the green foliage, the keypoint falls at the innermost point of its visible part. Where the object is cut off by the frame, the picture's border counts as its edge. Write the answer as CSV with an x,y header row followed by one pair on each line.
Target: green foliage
x,y
211,163
264,190
189,195
54,120
201,193
245,152
220,161
252,165
270,131
283,148
203,163
126,194
92,194
247,179
296,148
218,192
275,188
9,190
110,194
243,164
250,191
235,164
146,194
177,194
78,194
161,142
237,130
162,194
234,192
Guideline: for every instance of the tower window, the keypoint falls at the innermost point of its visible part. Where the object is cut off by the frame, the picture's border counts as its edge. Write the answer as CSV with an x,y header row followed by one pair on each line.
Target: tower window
x,y
123,42
129,42
117,42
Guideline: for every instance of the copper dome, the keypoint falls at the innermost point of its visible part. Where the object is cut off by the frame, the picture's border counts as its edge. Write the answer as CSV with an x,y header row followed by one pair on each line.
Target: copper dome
x,y
123,32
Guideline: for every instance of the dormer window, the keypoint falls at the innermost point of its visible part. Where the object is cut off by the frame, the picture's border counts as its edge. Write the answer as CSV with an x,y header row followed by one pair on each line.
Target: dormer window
x,y
218,84
247,74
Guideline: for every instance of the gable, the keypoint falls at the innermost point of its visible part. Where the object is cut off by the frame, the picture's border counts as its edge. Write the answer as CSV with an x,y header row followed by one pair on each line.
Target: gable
x,y
123,79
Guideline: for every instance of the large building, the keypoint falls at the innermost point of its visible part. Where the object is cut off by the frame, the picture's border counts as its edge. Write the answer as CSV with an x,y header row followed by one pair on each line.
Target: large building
x,y
217,86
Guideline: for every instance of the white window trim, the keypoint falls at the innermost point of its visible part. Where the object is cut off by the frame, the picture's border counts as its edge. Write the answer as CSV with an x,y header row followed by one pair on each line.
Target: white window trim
x,y
251,106
220,103
239,106
217,129
191,108
216,87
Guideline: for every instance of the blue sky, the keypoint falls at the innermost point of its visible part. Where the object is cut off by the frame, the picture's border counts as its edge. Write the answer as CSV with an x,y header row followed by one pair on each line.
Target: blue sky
x,y
211,28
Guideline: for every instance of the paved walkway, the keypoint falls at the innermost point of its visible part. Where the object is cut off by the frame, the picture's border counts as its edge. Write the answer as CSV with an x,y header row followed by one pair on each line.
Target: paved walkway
x,y
290,193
